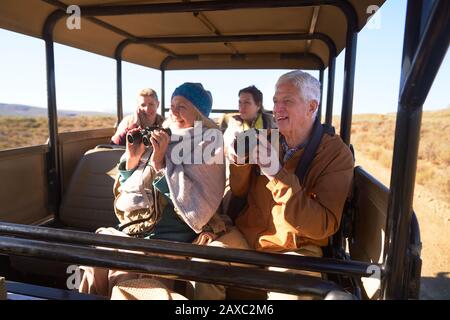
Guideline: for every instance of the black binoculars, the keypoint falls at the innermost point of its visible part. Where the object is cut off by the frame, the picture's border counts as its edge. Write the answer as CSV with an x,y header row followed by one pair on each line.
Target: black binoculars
x,y
144,135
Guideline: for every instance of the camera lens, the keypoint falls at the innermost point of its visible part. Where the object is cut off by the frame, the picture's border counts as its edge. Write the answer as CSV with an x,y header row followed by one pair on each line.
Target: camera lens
x,y
168,131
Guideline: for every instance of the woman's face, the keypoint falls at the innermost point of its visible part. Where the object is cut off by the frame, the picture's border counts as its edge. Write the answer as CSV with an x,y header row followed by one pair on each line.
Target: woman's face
x,y
248,109
183,112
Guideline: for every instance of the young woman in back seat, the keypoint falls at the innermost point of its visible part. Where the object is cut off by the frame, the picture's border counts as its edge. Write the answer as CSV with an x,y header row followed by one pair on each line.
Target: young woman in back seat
x,y
165,191
251,115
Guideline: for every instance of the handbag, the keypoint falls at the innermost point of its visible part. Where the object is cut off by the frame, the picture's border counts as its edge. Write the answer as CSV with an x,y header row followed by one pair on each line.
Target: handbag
x,y
137,201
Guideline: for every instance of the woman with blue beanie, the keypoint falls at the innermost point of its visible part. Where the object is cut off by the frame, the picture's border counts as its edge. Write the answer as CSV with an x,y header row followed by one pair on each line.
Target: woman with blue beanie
x,y
164,191
195,96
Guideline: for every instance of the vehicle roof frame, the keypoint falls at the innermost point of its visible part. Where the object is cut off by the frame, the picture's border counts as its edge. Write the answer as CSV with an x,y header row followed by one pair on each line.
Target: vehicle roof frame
x,y
345,7
332,52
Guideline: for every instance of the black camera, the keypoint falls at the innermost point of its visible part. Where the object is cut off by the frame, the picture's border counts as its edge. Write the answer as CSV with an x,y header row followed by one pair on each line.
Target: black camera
x,y
144,135
248,140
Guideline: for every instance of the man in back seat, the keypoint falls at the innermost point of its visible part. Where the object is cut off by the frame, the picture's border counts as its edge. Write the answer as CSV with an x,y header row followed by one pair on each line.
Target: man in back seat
x,y
286,214
144,116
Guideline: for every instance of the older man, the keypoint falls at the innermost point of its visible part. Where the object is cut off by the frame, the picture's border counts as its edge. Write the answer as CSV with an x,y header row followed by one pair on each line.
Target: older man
x,y
283,213
145,115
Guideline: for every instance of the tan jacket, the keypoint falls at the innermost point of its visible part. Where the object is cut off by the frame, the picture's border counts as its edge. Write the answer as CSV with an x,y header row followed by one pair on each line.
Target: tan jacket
x,y
282,214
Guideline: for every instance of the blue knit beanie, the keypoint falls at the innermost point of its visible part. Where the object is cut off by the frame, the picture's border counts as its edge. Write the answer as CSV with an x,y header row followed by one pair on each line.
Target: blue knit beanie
x,y
197,95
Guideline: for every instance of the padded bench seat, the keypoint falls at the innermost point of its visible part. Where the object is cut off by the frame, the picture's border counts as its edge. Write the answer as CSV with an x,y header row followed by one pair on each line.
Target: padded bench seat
x,y
86,206
88,202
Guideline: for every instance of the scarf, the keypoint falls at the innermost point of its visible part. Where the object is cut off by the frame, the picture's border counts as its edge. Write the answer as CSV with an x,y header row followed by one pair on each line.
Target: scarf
x,y
257,123
196,190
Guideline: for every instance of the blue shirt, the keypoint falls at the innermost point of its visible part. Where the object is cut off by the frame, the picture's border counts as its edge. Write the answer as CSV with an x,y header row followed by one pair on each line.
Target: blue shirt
x,y
289,152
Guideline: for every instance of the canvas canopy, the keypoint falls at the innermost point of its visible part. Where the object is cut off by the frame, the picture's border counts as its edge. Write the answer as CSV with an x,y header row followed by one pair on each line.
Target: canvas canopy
x,y
175,35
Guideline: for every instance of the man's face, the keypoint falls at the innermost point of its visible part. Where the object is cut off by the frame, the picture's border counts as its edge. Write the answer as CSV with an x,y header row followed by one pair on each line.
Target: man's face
x,y
291,112
148,105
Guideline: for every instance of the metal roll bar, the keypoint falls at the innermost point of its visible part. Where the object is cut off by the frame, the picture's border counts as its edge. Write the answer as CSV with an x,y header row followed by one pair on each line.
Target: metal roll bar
x,y
250,257
168,267
426,40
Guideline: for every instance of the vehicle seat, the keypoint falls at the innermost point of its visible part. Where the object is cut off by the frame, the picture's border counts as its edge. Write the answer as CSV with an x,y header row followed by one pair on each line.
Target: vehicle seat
x,y
87,205
88,201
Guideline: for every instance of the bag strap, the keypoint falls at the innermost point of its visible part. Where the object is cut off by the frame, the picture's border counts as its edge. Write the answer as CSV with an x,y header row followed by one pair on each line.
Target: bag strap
x,y
133,234
311,148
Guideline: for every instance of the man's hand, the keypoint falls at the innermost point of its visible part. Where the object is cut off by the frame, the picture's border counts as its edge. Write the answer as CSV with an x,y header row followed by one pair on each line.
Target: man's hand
x,y
160,142
266,156
229,138
230,151
239,145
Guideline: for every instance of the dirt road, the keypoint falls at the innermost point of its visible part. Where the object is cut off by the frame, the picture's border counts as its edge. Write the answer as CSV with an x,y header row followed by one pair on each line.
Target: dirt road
x,y
434,220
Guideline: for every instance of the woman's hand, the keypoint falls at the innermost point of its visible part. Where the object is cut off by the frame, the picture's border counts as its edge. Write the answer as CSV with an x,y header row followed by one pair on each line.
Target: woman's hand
x,y
134,151
160,142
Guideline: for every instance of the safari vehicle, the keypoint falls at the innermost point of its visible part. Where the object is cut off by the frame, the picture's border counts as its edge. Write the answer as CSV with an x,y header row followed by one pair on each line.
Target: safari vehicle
x,y
68,182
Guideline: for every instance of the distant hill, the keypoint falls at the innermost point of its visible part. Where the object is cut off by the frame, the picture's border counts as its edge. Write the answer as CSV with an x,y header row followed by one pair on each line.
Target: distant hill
x,y
20,110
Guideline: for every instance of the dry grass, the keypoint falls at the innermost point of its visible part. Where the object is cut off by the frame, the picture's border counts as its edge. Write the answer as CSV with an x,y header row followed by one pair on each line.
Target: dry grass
x,y
16,132
372,137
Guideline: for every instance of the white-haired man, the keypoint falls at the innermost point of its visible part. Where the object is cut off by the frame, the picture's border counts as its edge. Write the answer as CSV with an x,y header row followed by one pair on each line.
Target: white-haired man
x,y
284,214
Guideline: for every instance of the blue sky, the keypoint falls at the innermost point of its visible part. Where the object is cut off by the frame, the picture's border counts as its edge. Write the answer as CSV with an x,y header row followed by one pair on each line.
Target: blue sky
x,y
86,81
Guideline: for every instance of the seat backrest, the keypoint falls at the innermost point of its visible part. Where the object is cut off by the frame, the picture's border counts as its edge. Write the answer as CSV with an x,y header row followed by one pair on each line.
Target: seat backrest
x,y
88,202
370,204
366,243
72,146
362,226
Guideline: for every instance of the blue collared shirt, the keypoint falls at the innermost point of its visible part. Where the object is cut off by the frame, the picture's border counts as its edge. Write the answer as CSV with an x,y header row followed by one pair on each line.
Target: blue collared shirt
x,y
289,152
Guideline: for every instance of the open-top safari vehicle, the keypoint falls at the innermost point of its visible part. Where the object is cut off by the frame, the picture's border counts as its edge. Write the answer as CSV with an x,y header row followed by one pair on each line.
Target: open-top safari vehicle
x,y
54,195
